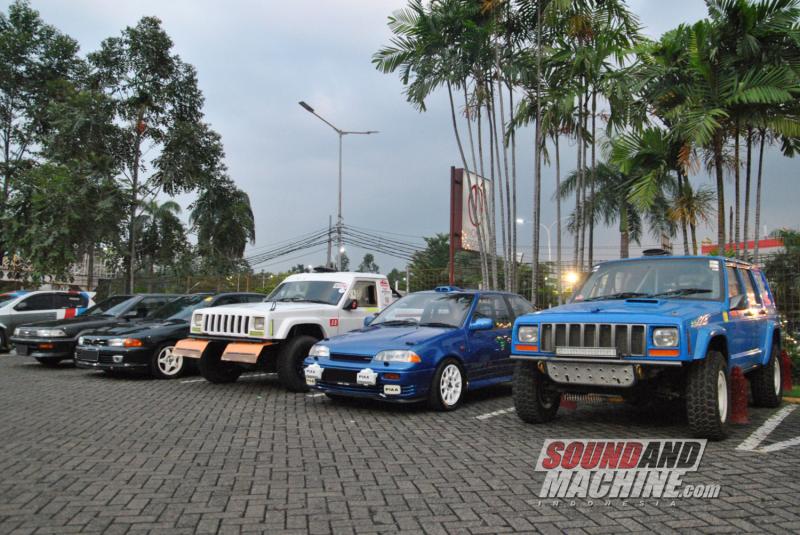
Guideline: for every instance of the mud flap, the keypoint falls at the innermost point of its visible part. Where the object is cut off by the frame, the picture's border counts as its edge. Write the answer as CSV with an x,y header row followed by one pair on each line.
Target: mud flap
x,y
191,348
244,352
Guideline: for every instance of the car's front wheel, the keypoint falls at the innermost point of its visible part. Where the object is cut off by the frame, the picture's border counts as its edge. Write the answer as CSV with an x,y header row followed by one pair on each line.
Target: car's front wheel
x,y
215,370
3,341
290,362
765,382
448,386
164,364
708,397
533,402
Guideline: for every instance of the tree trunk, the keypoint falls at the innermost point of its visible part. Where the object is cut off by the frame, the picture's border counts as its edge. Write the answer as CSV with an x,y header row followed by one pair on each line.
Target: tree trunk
x,y
90,269
537,185
748,173
468,115
683,182
508,221
718,167
624,233
737,200
134,204
694,238
579,189
478,116
504,231
594,178
492,215
558,222
514,281
757,224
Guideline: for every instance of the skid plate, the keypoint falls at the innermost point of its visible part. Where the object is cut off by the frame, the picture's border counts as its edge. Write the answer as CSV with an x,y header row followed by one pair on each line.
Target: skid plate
x,y
591,373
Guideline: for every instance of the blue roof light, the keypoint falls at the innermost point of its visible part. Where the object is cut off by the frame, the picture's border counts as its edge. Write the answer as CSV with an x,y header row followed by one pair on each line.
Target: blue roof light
x,y
445,289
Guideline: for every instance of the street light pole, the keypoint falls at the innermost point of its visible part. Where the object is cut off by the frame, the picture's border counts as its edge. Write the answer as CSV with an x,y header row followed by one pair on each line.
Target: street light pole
x,y
341,133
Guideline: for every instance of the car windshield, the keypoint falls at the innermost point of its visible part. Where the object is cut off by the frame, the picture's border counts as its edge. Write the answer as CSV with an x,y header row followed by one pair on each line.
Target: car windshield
x,y
113,306
180,308
327,292
684,278
427,308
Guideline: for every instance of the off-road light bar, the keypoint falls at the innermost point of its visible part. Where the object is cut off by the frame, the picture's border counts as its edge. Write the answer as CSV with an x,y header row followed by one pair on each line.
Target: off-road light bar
x,y
586,351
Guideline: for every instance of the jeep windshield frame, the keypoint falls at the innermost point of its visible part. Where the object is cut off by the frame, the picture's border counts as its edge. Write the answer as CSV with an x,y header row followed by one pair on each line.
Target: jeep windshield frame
x,y
325,292
698,279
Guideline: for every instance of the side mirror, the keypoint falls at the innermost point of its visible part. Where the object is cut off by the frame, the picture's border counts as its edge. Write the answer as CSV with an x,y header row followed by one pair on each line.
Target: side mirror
x,y
481,324
738,302
369,320
351,304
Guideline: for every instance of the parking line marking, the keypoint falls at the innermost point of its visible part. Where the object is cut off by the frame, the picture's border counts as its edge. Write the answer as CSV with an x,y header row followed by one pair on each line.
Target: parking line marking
x,y
193,381
317,395
758,436
254,375
495,413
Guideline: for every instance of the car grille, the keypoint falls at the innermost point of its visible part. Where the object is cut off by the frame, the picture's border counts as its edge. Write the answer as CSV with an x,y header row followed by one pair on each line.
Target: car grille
x,y
350,358
627,339
226,324
88,355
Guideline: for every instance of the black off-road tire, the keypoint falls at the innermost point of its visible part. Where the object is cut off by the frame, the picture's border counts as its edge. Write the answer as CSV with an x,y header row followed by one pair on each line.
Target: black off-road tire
x,y
762,382
290,362
214,370
436,400
702,405
532,402
49,362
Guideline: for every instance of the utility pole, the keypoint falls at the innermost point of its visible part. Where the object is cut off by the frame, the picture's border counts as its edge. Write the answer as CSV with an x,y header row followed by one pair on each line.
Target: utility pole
x,y
328,262
341,133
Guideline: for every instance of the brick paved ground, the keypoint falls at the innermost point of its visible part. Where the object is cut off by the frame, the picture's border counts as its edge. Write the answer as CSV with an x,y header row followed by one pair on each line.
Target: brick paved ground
x,y
81,452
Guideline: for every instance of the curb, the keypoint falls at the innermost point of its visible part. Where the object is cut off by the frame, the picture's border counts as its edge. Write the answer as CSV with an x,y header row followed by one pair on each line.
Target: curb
x,y
791,400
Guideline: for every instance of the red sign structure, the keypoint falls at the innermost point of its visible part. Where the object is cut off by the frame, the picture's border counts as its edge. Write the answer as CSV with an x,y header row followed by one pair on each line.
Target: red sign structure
x,y
470,201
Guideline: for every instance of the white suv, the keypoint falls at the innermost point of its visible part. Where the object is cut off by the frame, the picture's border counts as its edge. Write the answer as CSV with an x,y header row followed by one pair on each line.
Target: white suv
x,y
276,335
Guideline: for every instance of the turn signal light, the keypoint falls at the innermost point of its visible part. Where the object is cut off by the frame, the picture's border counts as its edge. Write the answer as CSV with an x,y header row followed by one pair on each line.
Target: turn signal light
x,y
664,353
521,347
46,346
132,342
392,376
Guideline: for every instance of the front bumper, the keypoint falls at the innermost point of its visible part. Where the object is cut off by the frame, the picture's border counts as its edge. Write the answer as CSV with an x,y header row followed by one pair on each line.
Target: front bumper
x,y
44,347
113,358
597,372
368,380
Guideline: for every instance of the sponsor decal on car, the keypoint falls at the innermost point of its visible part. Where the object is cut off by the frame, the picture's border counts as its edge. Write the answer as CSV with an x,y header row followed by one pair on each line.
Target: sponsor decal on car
x,y
610,469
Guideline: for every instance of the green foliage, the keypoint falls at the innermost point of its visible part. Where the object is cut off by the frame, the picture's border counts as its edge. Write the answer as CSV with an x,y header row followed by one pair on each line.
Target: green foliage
x,y
368,265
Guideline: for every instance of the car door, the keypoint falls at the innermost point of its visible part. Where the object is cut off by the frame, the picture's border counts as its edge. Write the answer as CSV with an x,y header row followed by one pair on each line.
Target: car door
x,y
736,322
35,307
365,293
488,348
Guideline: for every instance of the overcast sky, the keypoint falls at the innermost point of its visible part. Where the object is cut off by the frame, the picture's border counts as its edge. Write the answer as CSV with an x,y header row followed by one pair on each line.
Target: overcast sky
x,y
256,59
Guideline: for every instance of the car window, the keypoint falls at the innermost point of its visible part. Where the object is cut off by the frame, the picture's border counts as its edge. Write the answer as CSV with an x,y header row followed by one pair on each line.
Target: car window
x,y
752,296
181,308
70,300
112,306
766,298
493,307
150,304
227,300
520,306
734,284
366,293
254,298
36,302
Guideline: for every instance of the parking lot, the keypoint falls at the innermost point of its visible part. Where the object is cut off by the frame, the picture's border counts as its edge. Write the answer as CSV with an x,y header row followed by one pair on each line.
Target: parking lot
x,y
83,452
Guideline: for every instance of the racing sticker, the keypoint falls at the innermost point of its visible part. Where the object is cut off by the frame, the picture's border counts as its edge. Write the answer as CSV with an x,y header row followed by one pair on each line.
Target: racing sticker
x,y
714,265
384,283
334,322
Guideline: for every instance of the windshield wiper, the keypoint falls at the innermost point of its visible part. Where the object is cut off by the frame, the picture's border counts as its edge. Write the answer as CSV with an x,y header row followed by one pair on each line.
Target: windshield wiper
x,y
398,322
437,324
682,291
620,295
302,300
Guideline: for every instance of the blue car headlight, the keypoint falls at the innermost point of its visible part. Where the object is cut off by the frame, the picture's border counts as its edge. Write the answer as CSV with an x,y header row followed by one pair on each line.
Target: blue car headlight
x,y
665,337
318,350
398,355
528,334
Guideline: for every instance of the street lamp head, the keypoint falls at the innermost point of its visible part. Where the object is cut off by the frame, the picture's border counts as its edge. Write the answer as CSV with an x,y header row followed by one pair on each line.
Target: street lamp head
x,y
520,221
306,106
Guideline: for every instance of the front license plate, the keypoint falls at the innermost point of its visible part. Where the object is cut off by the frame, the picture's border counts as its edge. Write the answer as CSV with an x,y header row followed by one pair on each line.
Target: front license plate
x,y
90,355
367,377
22,350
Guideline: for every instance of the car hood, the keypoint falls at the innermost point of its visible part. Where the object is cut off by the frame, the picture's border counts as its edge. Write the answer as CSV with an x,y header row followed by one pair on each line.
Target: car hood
x,y
641,310
73,326
142,329
370,340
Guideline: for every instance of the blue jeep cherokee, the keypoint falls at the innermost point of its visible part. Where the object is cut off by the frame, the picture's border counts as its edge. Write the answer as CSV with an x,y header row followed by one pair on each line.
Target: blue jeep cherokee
x,y
650,327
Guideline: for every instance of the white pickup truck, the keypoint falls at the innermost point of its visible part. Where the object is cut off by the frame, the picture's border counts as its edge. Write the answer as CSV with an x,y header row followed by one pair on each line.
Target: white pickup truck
x,y
276,334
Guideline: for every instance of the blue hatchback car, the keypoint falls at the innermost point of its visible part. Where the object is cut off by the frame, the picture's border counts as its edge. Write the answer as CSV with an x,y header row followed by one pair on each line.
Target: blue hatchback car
x,y
432,346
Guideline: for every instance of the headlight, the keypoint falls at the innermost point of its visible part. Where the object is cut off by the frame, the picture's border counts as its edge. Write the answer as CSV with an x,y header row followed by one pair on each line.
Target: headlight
x,y
317,350
17,331
80,340
51,333
398,355
258,323
528,334
665,337
197,320
125,342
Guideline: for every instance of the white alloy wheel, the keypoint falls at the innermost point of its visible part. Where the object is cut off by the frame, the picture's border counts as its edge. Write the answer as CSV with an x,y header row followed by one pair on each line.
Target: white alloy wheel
x,y
722,396
776,376
168,363
450,385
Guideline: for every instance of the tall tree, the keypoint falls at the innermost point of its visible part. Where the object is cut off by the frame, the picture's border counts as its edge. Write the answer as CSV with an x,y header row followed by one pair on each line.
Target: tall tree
x,y
368,264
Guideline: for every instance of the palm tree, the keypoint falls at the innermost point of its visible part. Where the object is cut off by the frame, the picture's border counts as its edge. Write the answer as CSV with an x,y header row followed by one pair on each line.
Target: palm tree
x,y
223,219
692,206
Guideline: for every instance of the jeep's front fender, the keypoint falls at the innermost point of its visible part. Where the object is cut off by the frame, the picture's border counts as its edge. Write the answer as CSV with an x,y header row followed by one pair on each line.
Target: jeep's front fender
x,y
282,330
704,337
